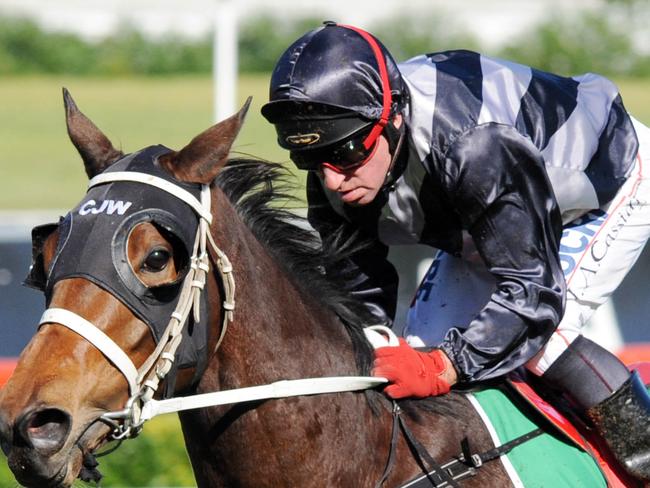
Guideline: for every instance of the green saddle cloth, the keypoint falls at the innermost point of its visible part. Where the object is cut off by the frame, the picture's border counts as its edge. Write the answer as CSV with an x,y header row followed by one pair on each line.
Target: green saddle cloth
x,y
548,461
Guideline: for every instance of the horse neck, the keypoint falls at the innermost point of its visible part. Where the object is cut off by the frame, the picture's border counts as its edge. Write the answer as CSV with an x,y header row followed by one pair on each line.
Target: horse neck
x,y
278,333
318,440
275,323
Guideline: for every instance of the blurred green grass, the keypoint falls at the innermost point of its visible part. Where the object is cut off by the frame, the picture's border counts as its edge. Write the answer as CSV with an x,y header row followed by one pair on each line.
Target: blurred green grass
x,y
39,167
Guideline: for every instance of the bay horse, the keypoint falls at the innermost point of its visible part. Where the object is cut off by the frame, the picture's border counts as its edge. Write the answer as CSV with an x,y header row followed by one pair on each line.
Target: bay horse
x,y
291,321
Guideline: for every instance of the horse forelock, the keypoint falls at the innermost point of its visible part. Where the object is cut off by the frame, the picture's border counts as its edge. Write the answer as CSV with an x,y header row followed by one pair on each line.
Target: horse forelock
x,y
262,193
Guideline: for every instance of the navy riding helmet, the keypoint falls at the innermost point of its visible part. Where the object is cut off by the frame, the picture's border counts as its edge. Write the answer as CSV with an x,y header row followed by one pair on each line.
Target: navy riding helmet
x,y
334,84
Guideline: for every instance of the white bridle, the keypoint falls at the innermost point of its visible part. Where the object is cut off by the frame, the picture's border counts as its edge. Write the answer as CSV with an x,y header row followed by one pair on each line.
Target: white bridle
x,y
145,380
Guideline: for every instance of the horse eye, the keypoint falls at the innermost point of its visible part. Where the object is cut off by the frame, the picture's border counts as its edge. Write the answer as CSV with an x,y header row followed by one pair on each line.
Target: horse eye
x,y
156,260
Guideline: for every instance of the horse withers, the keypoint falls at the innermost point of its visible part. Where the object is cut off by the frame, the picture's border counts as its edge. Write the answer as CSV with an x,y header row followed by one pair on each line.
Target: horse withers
x,y
118,265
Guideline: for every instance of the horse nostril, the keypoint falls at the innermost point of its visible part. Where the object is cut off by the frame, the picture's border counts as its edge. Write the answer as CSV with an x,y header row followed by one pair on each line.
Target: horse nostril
x,y
46,430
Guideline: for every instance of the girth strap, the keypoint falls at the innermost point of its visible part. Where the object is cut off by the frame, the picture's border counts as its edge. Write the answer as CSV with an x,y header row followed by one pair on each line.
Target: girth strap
x,y
437,475
477,460
467,463
392,448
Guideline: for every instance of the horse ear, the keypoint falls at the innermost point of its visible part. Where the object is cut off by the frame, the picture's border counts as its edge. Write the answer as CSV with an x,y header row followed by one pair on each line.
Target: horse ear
x,y
94,147
201,160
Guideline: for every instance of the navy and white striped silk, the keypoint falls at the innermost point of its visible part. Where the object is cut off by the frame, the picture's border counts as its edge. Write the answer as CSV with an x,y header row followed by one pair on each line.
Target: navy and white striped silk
x,y
578,124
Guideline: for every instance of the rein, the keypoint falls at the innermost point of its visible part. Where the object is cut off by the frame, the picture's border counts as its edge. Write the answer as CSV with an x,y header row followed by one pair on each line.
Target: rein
x,y
377,335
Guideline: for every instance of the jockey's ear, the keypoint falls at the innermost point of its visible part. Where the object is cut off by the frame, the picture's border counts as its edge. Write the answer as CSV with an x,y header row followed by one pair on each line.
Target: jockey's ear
x,y
94,147
201,160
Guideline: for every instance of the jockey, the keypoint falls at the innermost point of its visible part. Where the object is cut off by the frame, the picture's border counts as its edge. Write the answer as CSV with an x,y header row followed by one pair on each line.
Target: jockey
x,y
531,186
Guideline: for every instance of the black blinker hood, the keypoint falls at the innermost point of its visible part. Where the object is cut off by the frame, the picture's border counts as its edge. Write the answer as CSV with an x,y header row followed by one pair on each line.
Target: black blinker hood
x,y
93,240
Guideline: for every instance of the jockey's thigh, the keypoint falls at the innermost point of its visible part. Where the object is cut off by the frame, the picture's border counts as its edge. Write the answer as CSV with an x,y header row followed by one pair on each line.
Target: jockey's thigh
x,y
452,293
597,251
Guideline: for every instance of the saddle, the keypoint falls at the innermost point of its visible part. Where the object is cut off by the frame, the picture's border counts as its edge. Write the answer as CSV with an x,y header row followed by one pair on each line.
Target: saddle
x,y
570,425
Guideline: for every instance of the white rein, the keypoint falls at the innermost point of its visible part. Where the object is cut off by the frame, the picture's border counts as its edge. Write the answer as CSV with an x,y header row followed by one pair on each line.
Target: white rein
x,y
144,381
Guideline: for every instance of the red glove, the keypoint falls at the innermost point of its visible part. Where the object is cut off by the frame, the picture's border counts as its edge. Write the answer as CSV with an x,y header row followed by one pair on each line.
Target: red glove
x,y
411,373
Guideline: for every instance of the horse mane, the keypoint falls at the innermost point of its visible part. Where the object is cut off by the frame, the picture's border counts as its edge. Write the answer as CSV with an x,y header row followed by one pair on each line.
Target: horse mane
x,y
262,193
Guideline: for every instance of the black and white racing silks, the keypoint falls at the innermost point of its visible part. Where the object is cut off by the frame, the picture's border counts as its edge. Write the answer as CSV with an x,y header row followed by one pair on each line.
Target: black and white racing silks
x,y
505,154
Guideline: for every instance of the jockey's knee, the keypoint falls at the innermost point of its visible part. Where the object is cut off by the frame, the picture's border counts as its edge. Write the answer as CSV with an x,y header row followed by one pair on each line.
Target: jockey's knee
x,y
587,372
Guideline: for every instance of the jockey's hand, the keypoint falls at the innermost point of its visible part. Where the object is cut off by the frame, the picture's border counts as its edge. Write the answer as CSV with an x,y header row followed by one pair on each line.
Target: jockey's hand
x,y
413,373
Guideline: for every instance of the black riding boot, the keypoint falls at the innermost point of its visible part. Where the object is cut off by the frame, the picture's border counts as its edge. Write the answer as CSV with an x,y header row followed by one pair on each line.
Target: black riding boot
x,y
623,420
616,402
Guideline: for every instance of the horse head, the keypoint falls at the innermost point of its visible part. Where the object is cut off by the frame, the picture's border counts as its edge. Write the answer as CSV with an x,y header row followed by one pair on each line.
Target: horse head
x,y
118,261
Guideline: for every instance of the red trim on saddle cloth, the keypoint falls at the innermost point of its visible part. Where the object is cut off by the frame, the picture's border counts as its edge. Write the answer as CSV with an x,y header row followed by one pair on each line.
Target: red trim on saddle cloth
x,y
637,354
7,366
585,439
643,368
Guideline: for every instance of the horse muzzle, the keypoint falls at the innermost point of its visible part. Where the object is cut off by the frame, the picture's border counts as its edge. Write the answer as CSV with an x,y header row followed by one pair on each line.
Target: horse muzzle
x,y
35,448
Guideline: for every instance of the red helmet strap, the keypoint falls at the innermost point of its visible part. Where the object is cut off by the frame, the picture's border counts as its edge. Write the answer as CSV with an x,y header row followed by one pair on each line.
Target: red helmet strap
x,y
383,74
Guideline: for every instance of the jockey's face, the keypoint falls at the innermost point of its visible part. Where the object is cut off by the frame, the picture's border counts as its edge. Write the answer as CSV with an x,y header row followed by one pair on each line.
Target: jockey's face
x,y
360,185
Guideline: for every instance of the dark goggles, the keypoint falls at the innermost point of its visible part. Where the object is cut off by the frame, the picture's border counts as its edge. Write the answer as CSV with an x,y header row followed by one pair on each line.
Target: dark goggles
x,y
354,152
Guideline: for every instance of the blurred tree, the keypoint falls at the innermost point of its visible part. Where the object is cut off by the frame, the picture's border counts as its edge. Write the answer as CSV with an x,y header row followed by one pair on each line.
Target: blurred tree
x,y
25,48
406,37
602,41
129,52
263,39
568,46
627,3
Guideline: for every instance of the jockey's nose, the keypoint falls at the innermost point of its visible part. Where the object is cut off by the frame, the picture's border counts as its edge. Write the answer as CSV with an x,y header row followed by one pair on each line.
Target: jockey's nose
x,y
44,430
332,179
